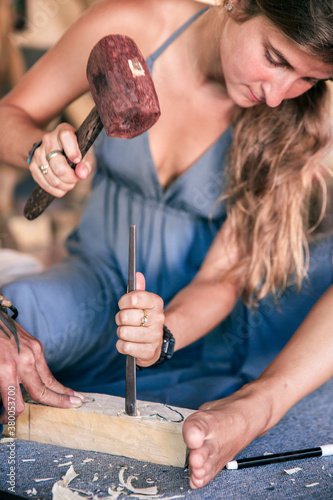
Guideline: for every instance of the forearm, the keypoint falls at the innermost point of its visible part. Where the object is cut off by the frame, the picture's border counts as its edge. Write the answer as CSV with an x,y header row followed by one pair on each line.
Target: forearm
x,y
304,364
198,308
18,133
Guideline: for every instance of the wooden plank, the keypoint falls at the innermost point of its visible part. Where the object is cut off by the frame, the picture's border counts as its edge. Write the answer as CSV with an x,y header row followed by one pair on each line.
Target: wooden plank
x,y
101,424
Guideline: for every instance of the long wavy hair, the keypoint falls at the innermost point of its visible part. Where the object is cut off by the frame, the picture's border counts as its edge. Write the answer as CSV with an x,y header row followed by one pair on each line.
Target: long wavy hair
x,y
275,161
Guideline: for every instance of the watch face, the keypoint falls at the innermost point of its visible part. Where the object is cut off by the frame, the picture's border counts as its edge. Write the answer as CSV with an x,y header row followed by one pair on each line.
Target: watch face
x,y
169,347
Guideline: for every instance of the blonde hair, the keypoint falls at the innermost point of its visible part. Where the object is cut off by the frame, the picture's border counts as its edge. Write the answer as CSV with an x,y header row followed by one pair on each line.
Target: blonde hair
x,y
274,168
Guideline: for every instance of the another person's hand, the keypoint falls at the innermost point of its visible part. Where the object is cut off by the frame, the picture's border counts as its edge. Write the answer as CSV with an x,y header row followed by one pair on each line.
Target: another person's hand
x,y
53,172
22,362
140,324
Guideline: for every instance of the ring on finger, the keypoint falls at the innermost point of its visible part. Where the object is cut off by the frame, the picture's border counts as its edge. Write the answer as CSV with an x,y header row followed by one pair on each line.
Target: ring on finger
x,y
54,153
144,318
43,168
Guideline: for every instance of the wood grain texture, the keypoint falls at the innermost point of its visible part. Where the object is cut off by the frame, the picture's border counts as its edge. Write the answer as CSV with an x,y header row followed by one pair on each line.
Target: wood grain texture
x,y
154,435
122,87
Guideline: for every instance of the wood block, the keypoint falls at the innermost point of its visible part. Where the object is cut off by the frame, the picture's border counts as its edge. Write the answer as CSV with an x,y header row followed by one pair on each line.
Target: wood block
x,y
155,435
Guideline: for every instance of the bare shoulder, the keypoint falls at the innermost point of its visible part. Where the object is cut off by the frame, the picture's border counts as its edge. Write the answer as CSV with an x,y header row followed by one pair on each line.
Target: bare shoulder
x,y
148,22
62,71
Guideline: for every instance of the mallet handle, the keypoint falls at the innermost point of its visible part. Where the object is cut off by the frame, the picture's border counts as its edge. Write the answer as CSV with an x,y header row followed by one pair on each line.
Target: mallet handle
x,y
86,134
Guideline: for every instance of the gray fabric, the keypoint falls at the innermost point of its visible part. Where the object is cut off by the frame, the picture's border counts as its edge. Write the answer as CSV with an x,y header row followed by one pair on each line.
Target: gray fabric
x,y
308,424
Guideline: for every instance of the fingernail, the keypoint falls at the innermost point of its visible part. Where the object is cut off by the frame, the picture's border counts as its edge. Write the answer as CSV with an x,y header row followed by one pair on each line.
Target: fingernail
x,y
75,401
79,395
88,399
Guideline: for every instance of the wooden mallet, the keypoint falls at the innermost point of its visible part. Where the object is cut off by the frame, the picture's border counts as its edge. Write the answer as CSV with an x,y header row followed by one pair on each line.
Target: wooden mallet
x,y
125,98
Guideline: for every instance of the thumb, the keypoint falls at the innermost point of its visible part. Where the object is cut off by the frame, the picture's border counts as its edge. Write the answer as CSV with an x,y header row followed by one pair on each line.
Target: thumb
x,y
140,281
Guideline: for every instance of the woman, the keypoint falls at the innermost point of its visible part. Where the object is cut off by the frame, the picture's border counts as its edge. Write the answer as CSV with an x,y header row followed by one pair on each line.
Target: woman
x,y
238,73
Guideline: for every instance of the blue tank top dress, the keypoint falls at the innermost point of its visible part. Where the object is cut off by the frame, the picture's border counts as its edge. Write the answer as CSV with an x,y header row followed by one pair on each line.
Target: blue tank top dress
x,y
71,307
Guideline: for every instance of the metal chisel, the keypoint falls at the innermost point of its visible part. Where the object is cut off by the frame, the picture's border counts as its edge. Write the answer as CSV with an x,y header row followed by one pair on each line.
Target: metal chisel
x,y
130,388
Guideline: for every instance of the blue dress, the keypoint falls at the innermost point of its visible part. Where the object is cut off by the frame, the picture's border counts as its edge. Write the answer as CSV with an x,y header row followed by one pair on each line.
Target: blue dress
x,y
71,307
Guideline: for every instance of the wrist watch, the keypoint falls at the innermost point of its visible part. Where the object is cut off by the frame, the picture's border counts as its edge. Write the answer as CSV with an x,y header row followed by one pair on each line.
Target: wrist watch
x,y
168,346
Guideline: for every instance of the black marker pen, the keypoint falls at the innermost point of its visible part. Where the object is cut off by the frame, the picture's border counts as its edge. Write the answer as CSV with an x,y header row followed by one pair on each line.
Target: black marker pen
x,y
242,463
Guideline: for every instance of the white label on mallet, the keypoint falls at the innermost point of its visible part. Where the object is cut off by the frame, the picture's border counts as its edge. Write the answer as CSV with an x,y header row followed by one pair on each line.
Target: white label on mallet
x,y
136,68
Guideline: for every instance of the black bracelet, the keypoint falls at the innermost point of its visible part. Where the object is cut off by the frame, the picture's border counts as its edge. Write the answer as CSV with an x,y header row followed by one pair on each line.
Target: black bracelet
x,y
6,304
32,151
168,346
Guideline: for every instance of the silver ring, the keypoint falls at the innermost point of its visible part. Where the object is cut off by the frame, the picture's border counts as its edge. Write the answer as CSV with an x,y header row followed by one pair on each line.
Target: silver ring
x,y
43,169
144,319
54,153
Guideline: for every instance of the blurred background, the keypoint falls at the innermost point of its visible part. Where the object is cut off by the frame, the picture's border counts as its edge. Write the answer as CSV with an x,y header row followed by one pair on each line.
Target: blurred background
x,y
28,28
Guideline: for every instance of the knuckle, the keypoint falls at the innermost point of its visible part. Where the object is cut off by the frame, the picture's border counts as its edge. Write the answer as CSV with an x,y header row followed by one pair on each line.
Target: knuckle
x,y
150,351
59,168
27,358
159,302
126,348
122,347
50,381
47,141
9,367
38,347
134,299
122,332
65,132
41,393
58,193
19,407
122,301
55,182
159,318
122,317
117,319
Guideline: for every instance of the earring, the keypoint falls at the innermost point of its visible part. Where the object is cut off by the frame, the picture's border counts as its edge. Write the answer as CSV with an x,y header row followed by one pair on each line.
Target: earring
x,y
230,7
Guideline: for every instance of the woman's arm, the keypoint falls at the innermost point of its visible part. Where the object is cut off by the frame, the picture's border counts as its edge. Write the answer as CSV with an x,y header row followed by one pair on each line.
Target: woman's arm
x,y
192,313
55,81
305,363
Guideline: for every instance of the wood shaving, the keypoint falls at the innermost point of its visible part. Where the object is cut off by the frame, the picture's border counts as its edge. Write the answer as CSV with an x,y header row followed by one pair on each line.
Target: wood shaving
x,y
113,493
61,491
67,463
152,490
292,471
86,460
31,492
69,476
28,459
310,485
95,477
43,479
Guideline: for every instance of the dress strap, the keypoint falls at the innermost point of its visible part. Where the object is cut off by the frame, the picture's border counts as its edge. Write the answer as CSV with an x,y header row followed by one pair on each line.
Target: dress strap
x,y
152,58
